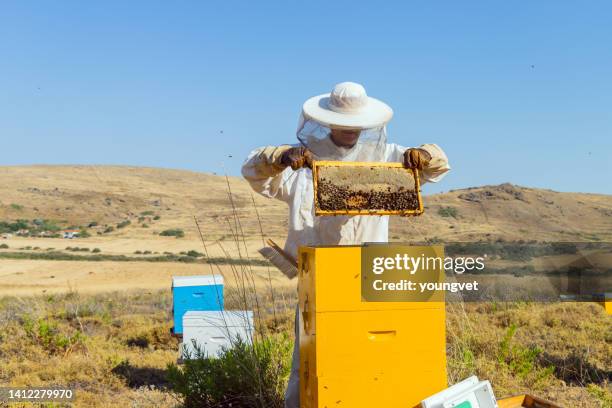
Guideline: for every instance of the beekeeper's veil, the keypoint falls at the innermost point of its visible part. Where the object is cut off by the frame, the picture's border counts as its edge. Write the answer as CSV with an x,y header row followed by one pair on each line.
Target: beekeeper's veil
x,y
347,106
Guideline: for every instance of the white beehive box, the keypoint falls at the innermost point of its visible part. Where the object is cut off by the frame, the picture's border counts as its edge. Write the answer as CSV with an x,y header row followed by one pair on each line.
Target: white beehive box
x,y
469,393
478,396
212,331
437,400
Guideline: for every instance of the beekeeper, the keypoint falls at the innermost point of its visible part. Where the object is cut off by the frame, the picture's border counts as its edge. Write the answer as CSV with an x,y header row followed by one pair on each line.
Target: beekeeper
x,y
346,125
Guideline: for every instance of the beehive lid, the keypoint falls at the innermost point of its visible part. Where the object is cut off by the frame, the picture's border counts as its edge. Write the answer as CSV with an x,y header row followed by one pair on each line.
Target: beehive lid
x,y
226,318
351,188
197,280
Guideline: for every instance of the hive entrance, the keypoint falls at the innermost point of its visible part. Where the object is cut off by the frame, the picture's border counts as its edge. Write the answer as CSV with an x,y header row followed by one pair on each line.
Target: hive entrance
x,y
365,188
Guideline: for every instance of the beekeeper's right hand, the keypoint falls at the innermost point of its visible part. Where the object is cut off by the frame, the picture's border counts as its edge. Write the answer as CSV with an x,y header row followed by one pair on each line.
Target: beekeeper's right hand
x,y
297,157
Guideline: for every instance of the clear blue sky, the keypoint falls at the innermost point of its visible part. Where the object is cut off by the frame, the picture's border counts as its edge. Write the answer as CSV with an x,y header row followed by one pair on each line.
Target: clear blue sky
x,y
517,91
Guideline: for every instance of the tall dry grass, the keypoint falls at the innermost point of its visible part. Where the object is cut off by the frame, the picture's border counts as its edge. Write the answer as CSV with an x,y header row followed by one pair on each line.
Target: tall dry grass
x,y
252,372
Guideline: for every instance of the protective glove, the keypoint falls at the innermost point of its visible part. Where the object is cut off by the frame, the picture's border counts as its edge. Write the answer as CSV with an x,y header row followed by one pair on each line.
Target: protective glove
x,y
297,157
416,158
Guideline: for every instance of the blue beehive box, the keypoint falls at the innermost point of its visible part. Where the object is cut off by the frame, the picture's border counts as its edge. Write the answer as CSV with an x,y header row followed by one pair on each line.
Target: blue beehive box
x,y
197,293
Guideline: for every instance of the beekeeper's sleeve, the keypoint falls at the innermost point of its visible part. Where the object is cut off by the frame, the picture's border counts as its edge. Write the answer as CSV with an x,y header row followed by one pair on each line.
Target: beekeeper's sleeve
x,y
438,165
265,173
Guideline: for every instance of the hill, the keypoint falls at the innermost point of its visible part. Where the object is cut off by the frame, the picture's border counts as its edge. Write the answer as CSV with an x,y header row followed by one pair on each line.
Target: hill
x,y
109,195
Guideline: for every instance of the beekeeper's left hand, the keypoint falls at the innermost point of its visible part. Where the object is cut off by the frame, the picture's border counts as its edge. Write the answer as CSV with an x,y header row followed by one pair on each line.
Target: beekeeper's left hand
x,y
415,158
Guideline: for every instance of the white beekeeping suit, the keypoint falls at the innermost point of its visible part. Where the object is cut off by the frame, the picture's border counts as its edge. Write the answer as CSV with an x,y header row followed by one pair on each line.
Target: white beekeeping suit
x,y
267,176
346,107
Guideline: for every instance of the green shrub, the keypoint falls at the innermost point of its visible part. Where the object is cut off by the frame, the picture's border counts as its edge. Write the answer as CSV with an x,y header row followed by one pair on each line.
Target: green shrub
x,y
176,232
521,360
17,207
124,224
13,226
194,254
448,212
602,394
84,234
244,376
148,212
77,249
92,224
48,225
46,333
96,250
109,229
4,246
157,217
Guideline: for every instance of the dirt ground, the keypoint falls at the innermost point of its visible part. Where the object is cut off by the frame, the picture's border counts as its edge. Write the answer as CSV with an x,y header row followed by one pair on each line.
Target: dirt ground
x,y
29,278
26,277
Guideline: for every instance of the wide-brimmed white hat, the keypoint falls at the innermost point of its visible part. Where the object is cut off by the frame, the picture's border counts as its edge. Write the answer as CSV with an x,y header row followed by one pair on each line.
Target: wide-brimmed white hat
x,y
348,105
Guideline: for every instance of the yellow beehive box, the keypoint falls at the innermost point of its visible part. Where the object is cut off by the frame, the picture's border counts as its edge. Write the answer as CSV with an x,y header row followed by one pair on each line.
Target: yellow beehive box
x,y
363,354
606,302
339,289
